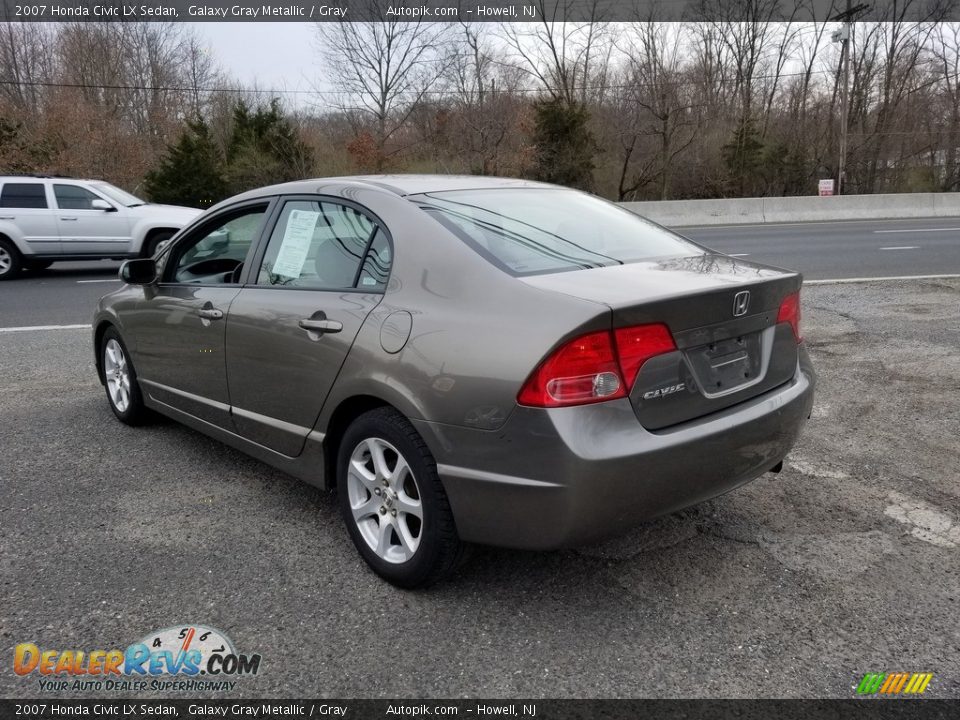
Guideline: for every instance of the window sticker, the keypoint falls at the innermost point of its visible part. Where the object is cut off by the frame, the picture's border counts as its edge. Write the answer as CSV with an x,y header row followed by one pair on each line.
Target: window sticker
x,y
297,236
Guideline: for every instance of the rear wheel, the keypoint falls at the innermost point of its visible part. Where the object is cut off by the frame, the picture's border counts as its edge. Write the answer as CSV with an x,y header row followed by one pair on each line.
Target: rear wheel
x,y
10,261
393,502
120,379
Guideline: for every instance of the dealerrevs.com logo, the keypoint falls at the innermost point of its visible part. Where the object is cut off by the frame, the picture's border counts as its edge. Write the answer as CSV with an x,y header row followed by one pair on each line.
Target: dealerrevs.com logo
x,y
188,658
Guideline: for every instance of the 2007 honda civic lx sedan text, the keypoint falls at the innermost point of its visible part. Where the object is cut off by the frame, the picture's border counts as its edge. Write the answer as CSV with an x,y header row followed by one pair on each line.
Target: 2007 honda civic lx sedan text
x,y
465,359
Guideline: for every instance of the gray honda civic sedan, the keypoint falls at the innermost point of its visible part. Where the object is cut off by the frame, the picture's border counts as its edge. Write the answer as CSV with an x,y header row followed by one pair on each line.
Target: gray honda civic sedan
x,y
464,359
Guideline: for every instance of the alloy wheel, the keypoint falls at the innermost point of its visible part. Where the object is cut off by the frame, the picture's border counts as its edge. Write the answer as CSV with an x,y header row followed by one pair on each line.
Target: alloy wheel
x,y
116,372
385,500
6,261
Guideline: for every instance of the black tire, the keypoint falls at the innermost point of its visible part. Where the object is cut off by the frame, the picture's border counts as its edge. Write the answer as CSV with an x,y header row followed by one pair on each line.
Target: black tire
x,y
134,412
37,264
10,260
151,243
440,550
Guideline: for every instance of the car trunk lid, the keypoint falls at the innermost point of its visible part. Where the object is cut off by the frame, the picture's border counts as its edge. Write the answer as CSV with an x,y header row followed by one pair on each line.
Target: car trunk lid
x,y
722,313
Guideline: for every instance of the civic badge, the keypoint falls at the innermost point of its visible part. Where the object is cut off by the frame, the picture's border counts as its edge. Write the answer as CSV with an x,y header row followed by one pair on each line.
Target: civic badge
x,y
741,303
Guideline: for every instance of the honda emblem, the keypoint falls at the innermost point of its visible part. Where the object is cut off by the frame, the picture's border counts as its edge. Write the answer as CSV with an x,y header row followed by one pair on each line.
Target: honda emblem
x,y
741,303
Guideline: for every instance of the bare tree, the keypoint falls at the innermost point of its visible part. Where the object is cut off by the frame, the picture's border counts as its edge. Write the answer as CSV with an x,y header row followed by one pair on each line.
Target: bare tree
x,y
487,106
382,68
946,54
656,102
889,61
25,51
569,60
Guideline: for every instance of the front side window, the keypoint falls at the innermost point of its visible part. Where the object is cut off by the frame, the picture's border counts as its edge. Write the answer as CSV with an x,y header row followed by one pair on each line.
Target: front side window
x,y
325,246
23,195
530,231
73,197
215,253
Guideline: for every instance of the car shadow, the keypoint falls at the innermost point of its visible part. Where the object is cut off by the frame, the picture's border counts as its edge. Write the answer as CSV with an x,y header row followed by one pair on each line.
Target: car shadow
x,y
511,575
76,270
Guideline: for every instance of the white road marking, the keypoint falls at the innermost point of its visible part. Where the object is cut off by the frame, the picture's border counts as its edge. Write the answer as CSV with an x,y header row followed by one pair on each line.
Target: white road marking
x,y
880,279
734,225
31,328
99,281
926,521
817,470
902,247
956,229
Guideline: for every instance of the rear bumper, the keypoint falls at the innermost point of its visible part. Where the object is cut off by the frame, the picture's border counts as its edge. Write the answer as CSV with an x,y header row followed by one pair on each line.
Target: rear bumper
x,y
560,477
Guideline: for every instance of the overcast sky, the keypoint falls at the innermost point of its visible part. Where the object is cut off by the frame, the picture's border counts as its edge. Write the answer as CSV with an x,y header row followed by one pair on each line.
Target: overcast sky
x,y
274,55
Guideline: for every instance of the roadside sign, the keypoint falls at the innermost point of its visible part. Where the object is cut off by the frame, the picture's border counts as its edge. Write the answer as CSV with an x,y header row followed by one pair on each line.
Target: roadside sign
x,y
826,188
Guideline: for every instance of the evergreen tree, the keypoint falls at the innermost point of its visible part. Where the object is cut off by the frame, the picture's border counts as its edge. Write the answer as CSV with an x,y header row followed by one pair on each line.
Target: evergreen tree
x,y
565,147
743,155
263,148
191,173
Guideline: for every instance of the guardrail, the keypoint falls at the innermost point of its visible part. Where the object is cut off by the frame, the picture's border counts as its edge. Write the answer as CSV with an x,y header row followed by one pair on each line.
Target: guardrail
x,y
742,211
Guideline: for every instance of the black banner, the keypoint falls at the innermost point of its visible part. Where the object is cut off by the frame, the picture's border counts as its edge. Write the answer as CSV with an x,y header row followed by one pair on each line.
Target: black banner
x,y
471,10
900,709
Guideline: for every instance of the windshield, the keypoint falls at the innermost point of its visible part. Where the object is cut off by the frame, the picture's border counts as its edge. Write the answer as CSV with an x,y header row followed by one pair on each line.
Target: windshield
x,y
531,231
118,195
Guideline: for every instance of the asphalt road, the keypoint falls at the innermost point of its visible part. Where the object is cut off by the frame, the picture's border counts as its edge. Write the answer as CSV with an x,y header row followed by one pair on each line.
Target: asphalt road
x,y
66,293
794,586
849,249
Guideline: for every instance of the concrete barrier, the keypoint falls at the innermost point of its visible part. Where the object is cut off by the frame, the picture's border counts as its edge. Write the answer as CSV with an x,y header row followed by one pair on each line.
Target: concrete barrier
x,y
741,211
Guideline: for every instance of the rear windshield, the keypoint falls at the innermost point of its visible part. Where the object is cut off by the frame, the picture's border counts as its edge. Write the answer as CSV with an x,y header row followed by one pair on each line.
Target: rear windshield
x,y
532,231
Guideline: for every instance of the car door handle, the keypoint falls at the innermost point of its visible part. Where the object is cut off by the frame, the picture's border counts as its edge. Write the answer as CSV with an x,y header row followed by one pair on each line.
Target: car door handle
x,y
8,217
321,326
210,313
70,218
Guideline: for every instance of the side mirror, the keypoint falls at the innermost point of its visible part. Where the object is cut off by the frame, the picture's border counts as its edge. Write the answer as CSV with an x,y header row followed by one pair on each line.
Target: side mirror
x,y
99,204
139,272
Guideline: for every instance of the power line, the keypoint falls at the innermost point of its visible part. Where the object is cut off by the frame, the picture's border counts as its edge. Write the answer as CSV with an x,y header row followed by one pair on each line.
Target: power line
x,y
274,91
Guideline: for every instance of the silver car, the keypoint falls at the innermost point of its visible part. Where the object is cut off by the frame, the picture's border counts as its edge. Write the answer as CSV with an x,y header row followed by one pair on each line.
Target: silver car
x,y
464,359
44,220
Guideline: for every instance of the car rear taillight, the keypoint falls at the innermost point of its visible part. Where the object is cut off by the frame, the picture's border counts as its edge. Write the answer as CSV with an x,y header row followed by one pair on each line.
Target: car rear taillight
x,y
595,367
790,313
636,345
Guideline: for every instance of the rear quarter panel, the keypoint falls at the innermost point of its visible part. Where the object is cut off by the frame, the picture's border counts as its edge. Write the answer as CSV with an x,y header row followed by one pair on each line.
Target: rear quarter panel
x,y
476,332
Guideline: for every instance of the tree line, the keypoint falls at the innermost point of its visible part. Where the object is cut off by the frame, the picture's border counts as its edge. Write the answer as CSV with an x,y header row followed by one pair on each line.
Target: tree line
x,y
733,105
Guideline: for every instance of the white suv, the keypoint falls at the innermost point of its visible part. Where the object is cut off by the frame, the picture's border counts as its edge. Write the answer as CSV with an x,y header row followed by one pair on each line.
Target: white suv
x,y
45,219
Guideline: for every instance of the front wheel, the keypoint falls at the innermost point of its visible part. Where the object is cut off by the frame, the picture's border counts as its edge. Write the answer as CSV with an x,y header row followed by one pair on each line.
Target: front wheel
x,y
120,379
393,502
155,243
10,261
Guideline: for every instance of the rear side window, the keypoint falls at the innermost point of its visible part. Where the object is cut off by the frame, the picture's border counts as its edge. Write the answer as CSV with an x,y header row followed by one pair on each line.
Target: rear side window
x,y
73,197
531,231
325,246
376,265
23,195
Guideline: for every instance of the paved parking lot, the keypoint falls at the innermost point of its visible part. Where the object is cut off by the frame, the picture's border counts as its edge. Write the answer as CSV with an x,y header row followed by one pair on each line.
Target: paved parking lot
x,y
796,585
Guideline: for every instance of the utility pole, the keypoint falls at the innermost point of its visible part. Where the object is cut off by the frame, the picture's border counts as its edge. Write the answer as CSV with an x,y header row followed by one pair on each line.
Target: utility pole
x,y
843,36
